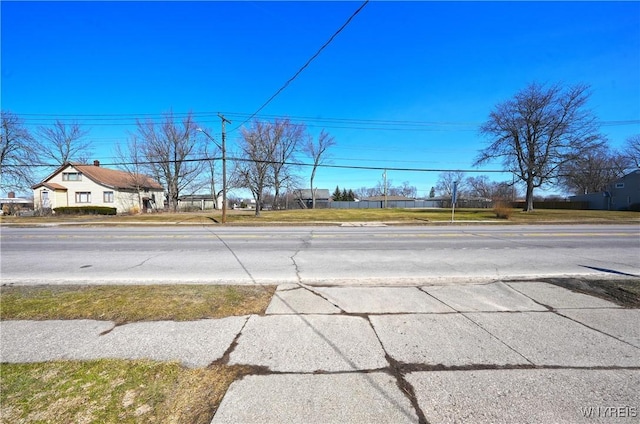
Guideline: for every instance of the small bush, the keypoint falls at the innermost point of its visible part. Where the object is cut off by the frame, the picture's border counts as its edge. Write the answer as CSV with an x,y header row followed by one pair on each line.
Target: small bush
x,y
502,211
85,210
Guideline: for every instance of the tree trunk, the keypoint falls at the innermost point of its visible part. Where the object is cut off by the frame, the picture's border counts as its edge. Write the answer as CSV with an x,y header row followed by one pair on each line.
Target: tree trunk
x,y
529,199
173,196
313,194
258,199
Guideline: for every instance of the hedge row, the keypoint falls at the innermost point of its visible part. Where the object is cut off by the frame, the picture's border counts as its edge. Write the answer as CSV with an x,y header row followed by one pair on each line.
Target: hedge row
x,y
85,210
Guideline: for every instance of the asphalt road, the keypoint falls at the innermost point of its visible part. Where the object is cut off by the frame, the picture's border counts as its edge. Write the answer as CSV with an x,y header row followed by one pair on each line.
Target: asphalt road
x,y
315,255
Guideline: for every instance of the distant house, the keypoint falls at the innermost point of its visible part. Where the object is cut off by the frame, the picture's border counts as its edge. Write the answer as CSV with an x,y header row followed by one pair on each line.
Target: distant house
x,y
13,205
621,194
390,201
199,201
75,184
304,199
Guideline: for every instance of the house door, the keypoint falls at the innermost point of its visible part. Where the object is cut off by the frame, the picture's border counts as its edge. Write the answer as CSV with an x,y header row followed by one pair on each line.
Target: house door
x,y
146,205
46,203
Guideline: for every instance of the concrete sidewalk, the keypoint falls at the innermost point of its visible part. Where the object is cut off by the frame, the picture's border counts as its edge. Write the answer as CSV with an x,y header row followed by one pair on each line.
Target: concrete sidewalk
x,y
499,352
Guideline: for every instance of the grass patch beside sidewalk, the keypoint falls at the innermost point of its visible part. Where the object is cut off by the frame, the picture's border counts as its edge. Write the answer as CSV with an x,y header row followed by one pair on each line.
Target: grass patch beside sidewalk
x,y
112,391
123,304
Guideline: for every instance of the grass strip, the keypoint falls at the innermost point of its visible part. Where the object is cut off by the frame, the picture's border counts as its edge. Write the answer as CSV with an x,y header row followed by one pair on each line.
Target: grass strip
x,y
306,216
123,304
112,391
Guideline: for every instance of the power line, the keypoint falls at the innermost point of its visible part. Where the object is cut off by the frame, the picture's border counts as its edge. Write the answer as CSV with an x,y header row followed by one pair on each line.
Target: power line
x,y
328,122
302,164
286,84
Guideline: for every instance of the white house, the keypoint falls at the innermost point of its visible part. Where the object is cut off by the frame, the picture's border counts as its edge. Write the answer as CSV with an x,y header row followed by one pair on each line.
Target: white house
x,y
75,184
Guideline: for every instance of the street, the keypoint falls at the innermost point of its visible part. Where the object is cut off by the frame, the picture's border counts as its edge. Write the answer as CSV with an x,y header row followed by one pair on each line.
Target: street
x,y
315,254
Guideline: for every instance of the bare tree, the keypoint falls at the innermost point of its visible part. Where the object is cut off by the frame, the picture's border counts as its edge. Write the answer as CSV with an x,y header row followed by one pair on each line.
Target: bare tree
x,y
254,165
481,186
538,131
286,138
63,143
591,172
132,162
405,190
17,154
445,183
364,192
171,151
317,151
632,150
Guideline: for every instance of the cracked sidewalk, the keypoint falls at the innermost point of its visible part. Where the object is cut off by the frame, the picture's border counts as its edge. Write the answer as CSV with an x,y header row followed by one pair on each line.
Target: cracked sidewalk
x,y
498,352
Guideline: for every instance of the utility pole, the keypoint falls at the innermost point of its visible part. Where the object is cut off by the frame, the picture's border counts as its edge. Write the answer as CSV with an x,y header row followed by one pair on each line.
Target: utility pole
x,y
454,198
385,188
224,168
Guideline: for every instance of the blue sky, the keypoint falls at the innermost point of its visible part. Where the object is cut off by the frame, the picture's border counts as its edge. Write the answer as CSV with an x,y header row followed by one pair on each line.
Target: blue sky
x,y
440,65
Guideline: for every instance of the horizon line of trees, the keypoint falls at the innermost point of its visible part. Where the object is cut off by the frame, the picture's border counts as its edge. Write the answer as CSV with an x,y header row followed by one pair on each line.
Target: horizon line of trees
x,y
544,135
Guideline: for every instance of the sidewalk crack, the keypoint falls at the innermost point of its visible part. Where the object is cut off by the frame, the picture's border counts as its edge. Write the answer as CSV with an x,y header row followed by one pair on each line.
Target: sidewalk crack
x,y
396,371
497,338
224,359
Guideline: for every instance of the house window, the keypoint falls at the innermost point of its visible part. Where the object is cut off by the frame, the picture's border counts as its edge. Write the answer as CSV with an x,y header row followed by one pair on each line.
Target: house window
x,y
83,197
71,176
619,185
108,197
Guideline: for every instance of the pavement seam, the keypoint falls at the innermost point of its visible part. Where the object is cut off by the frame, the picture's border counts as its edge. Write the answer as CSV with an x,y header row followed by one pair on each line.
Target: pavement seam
x,y
421,367
105,332
326,299
555,311
549,308
483,329
464,314
306,242
137,265
236,257
421,288
397,372
224,359
596,329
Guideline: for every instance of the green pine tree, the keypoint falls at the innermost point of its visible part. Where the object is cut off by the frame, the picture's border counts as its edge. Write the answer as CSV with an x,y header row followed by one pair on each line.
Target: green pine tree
x,y
337,194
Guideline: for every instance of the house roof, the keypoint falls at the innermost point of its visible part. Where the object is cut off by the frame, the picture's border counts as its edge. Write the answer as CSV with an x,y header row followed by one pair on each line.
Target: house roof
x,y
389,199
116,178
107,177
305,193
51,186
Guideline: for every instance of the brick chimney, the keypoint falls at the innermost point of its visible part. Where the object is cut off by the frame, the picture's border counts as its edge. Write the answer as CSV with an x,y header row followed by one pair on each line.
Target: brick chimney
x,y
96,163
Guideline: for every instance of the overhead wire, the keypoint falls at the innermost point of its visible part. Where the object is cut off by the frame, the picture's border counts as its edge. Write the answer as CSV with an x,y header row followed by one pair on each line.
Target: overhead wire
x,y
290,80
290,163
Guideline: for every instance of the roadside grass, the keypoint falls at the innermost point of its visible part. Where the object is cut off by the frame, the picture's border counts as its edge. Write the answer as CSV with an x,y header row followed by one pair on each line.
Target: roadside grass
x,y
123,304
112,391
314,216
